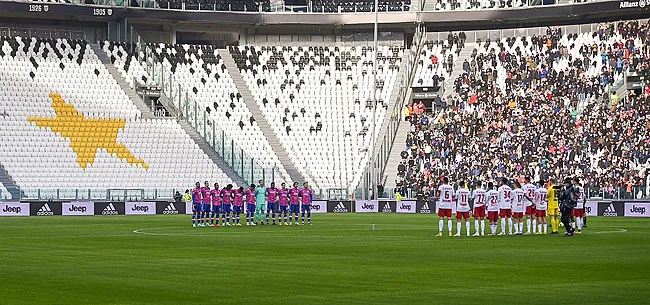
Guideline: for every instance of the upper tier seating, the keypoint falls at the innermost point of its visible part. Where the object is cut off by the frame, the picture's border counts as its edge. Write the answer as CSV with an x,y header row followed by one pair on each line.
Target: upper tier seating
x,y
318,100
201,71
349,6
430,74
218,5
69,125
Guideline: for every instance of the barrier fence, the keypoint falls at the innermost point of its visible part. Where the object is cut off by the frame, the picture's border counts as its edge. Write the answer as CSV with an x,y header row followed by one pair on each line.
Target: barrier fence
x,y
110,208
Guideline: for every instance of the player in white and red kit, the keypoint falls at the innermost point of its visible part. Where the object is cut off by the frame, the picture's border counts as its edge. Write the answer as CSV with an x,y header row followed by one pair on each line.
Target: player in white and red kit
x,y
579,211
517,199
529,197
541,195
505,206
462,207
479,196
492,207
445,199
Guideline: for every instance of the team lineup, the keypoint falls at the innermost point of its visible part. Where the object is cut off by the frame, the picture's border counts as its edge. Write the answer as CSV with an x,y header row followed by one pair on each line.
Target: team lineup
x,y
508,204
227,204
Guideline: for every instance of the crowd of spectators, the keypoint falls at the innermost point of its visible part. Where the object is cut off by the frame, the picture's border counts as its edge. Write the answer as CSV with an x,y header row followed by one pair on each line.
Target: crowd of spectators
x,y
545,113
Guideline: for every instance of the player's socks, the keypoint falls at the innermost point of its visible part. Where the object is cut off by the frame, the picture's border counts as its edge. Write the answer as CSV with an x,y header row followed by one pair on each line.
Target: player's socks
x,y
309,216
449,223
441,225
493,228
579,223
267,217
534,226
467,226
545,229
302,217
509,225
528,226
554,224
482,227
521,228
476,225
573,224
458,227
503,226
193,219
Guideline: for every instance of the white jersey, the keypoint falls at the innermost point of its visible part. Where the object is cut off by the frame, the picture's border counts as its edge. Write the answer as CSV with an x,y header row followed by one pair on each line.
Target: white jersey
x,y
446,196
541,195
462,200
505,199
518,201
529,192
479,197
492,201
581,198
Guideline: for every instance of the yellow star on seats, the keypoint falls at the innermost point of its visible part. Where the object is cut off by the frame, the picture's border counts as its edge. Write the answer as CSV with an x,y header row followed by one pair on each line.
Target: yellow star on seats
x,y
86,135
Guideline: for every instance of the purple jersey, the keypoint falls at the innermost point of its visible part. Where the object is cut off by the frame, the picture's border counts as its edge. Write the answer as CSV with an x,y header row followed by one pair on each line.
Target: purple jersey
x,y
239,198
196,195
216,197
250,196
282,196
225,196
205,192
273,194
294,196
305,195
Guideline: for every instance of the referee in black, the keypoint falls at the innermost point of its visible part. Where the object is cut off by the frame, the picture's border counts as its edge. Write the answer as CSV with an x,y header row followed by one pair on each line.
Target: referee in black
x,y
567,202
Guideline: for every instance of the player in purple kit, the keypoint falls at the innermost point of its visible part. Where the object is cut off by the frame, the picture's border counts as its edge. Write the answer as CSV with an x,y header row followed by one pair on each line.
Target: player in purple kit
x,y
226,199
250,205
272,202
207,204
294,200
197,207
216,205
305,197
238,204
283,201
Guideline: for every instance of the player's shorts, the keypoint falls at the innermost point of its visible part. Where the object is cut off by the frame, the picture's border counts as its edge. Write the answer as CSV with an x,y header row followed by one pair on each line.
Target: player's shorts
x,y
578,212
197,207
284,208
444,212
493,216
237,209
530,210
507,213
226,207
460,215
207,207
518,214
272,206
306,207
479,212
260,207
216,209
295,208
250,207
553,212
541,213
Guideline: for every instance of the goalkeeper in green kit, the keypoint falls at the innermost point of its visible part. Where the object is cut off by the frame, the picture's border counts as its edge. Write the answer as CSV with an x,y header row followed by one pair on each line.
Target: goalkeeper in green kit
x,y
260,202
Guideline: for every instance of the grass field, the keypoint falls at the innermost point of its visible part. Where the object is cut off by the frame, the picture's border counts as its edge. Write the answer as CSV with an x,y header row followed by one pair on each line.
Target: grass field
x,y
339,260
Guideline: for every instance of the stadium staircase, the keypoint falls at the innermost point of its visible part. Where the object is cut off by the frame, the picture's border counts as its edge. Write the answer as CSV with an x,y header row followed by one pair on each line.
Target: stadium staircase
x,y
208,150
394,158
130,92
465,53
254,108
9,184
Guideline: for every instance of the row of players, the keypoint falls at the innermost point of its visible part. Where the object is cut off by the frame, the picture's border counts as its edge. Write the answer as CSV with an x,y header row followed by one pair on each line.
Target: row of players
x,y
505,203
210,204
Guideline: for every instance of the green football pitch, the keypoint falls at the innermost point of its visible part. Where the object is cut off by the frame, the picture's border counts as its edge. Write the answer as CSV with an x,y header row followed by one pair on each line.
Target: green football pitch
x,y
339,260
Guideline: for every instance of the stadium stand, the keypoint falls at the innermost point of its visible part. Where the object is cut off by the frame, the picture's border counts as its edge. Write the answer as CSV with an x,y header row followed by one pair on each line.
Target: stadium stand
x,y
69,125
201,72
540,106
318,100
126,63
350,6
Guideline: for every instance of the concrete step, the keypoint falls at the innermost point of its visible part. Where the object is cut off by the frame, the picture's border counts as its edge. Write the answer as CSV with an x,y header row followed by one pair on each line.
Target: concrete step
x,y
394,157
123,83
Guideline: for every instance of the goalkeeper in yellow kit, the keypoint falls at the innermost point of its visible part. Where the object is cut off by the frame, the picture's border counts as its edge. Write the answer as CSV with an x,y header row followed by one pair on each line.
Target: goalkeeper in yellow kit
x,y
553,207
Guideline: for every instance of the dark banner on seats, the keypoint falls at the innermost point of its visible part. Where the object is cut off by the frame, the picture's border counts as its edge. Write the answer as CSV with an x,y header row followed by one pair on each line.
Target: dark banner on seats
x,y
109,208
48,208
339,206
169,208
389,206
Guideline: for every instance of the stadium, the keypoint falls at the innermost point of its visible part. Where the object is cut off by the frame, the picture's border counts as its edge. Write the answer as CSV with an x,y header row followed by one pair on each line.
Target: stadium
x,y
324,151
